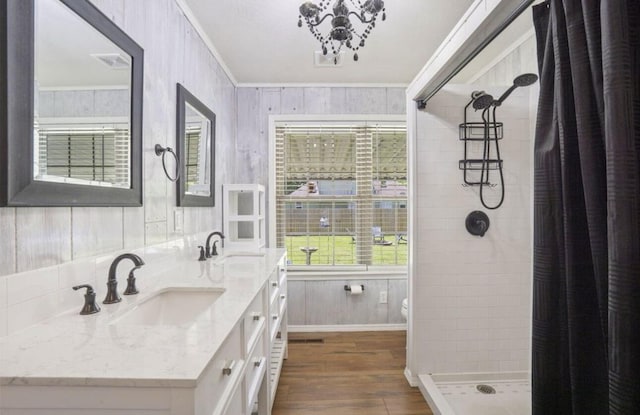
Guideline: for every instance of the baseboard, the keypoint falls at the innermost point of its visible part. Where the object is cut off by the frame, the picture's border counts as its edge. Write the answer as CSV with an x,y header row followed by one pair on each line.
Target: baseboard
x,y
345,327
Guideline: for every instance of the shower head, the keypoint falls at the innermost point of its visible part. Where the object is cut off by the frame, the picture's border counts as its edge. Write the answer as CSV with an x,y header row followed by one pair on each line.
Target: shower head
x,y
482,102
525,79
521,80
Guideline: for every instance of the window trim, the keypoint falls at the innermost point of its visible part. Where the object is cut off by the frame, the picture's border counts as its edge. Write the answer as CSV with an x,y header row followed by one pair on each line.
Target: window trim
x,y
280,119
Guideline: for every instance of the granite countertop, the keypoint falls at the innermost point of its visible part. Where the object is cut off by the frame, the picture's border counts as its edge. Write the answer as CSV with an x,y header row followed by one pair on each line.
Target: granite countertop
x,y
74,350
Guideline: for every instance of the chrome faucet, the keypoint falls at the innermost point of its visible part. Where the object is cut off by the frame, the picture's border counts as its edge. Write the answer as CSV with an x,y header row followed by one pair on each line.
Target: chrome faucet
x,y
112,282
209,252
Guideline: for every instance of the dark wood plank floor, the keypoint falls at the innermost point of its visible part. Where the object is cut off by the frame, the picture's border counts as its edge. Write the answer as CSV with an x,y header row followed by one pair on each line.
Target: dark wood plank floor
x,y
353,373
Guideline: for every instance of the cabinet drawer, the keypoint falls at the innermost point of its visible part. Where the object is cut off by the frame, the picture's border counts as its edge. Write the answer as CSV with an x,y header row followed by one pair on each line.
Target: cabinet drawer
x,y
256,368
282,273
254,321
222,375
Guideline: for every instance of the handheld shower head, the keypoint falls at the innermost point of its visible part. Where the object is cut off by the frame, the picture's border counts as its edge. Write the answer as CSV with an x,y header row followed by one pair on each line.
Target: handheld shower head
x,y
483,102
525,79
521,80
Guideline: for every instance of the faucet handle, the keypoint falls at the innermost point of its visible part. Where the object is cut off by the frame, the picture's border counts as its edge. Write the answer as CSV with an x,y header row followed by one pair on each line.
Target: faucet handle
x,y
131,284
90,306
202,255
214,249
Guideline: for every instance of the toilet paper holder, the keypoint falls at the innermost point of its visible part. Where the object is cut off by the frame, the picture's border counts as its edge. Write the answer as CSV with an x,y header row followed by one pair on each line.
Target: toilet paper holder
x,y
348,287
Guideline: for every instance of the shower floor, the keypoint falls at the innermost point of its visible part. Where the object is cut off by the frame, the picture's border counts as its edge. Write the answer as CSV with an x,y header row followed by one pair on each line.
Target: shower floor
x,y
456,394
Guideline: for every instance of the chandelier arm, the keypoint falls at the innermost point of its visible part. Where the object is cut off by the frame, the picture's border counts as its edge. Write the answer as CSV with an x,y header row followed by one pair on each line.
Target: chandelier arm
x,y
360,18
320,21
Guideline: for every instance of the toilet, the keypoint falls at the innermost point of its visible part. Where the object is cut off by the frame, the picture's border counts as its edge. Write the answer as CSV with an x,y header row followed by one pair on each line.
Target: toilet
x,y
404,309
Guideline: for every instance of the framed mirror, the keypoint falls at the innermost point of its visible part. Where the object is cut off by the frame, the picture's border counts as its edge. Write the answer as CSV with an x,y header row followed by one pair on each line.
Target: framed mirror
x,y
196,126
71,86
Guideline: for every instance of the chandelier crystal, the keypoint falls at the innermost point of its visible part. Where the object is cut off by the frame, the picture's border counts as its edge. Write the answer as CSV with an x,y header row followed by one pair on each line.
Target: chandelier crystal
x,y
342,32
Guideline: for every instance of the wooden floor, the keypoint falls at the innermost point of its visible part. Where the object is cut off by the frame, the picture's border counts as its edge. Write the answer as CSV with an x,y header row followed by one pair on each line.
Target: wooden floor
x,y
352,373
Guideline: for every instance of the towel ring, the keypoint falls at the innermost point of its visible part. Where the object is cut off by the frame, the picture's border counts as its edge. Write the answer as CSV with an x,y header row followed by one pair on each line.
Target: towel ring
x,y
163,151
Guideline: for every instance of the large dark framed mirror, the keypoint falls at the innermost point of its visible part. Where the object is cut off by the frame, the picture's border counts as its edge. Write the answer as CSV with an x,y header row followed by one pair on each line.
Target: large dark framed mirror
x,y
196,126
71,85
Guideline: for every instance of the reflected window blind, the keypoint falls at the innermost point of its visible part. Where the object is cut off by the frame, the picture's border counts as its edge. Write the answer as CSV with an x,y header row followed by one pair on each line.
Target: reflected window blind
x,y
192,147
84,153
343,190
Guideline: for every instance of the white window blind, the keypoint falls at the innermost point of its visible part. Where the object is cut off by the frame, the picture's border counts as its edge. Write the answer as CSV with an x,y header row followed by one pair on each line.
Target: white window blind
x,y
341,193
85,153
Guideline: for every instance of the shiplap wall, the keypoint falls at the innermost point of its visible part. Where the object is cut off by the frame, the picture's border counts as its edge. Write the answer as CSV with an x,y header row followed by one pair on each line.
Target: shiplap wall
x,y
326,303
317,302
33,238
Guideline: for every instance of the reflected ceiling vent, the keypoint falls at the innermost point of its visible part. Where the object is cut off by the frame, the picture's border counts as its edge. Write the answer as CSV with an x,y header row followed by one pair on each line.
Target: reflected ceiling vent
x,y
329,60
112,60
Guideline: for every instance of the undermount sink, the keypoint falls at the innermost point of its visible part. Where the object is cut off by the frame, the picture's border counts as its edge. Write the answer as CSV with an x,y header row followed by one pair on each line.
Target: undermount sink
x,y
172,306
244,254
241,256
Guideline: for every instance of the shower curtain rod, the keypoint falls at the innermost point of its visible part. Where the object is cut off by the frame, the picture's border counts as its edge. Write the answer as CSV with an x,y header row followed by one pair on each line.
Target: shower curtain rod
x,y
427,93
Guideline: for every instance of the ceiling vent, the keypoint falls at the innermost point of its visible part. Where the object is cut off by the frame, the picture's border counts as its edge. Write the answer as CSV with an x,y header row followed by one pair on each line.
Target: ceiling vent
x,y
112,60
329,60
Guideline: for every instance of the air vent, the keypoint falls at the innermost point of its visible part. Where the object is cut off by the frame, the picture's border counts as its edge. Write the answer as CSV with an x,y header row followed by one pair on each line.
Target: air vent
x,y
112,60
329,60
315,340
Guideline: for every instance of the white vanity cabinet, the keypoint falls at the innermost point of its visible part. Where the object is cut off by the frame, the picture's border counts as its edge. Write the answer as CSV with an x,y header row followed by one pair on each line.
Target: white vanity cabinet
x,y
237,376
277,325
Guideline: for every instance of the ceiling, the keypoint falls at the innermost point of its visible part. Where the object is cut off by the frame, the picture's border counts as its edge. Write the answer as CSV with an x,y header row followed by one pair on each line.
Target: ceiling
x,y
260,42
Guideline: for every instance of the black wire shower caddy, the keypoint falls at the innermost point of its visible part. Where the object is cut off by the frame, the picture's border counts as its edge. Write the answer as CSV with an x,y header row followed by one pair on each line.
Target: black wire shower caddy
x,y
478,131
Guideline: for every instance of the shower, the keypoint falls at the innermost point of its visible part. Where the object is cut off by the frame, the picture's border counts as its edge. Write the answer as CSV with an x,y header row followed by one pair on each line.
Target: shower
x,y
488,105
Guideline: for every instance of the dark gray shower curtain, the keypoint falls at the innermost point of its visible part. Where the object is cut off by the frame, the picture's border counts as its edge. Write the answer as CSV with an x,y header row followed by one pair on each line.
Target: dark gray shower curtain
x,y
586,272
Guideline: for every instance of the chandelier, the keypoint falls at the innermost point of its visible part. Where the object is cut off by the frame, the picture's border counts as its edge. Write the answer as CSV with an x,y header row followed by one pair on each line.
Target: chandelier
x,y
342,33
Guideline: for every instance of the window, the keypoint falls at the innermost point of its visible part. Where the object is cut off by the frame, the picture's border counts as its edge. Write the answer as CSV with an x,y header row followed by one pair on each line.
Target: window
x,y
341,193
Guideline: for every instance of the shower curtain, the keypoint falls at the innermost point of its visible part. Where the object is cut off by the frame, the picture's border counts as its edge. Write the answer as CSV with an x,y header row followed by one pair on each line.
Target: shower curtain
x,y
586,273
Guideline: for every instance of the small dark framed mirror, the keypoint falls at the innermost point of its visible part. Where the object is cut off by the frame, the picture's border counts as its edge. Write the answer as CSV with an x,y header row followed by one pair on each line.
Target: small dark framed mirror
x,y
71,85
196,126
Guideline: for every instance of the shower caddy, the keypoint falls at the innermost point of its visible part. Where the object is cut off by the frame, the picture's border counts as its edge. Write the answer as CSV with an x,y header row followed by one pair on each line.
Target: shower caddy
x,y
475,131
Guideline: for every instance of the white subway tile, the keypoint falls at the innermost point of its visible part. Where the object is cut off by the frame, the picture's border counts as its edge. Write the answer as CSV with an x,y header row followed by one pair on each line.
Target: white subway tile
x,y
28,285
27,313
3,321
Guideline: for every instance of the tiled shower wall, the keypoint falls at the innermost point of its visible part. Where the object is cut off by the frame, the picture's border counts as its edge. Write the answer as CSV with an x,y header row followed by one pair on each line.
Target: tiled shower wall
x,y
318,302
471,294
64,239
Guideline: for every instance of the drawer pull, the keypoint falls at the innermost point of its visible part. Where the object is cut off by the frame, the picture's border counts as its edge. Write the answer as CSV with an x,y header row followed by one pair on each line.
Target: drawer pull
x,y
256,316
257,362
282,297
275,316
229,368
274,284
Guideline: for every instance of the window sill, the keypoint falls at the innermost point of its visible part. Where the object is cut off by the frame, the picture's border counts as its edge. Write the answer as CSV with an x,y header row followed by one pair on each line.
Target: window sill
x,y
298,273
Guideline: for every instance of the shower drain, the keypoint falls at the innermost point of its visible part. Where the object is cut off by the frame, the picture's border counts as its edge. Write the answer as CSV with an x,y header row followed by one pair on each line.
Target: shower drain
x,y
486,389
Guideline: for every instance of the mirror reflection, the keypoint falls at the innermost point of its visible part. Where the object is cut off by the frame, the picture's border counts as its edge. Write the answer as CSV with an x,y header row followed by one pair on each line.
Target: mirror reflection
x,y
197,167
196,150
82,101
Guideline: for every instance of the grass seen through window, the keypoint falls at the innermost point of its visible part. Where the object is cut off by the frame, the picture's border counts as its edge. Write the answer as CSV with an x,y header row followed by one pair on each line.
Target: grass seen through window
x,y
341,250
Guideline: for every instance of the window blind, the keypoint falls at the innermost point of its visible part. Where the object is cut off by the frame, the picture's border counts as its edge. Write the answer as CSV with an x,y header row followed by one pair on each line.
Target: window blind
x,y
89,154
341,189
